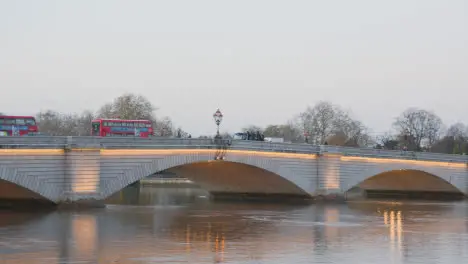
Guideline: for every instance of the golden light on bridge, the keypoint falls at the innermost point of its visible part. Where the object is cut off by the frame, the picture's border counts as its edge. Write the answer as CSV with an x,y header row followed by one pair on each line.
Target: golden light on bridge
x,y
83,169
404,161
86,172
331,175
117,152
48,152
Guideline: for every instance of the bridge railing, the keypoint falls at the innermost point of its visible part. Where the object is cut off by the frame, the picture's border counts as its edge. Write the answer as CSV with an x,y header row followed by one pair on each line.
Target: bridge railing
x,y
441,156
172,143
99,142
275,147
127,142
399,154
36,142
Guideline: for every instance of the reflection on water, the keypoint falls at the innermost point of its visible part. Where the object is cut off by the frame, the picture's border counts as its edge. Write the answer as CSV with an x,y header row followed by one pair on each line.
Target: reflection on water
x,y
170,225
157,196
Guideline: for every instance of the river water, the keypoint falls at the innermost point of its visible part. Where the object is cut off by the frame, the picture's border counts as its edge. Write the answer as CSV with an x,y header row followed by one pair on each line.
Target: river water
x,y
180,225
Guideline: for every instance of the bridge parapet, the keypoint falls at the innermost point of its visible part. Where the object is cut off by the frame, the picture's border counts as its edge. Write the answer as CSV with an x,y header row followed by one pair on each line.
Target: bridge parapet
x,y
393,154
33,142
275,147
67,142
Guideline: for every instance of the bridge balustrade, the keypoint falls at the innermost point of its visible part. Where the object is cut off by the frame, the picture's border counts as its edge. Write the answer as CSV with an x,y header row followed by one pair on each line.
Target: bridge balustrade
x,y
63,142
399,154
167,143
35,141
441,156
275,147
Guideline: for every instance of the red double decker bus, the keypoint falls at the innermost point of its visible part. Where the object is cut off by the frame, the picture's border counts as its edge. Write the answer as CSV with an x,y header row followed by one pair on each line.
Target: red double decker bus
x,y
18,126
120,127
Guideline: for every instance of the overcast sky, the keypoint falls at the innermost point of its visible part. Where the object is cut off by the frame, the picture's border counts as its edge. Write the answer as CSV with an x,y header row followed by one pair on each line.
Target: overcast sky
x,y
260,62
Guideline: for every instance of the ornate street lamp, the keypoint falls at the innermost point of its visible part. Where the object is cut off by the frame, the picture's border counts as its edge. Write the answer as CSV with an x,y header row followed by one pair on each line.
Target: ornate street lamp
x,y
218,117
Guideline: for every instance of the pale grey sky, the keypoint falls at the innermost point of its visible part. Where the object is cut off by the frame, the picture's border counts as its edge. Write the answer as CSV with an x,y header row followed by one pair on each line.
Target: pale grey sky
x,y
261,62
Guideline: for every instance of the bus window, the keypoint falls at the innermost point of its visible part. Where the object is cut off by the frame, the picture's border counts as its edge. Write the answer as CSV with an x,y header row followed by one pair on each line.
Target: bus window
x,y
20,122
7,121
30,122
96,128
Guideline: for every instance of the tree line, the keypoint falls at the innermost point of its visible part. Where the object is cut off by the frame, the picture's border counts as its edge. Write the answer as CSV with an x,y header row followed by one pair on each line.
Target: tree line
x,y
127,106
324,123
413,130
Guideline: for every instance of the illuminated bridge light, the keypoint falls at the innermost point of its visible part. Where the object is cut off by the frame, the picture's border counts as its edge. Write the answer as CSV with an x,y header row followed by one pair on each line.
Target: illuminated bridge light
x,y
8,152
405,161
116,152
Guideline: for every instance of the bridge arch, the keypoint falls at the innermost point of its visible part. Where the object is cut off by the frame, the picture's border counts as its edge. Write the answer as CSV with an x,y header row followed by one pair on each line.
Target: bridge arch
x,y
22,185
409,181
206,172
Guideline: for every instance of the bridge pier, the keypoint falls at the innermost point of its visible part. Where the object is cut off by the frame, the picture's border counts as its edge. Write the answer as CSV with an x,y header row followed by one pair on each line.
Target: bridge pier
x,y
82,177
81,204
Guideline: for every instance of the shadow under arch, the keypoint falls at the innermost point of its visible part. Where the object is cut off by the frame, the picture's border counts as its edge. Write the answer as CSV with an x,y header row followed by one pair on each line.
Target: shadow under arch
x,y
405,184
233,180
17,197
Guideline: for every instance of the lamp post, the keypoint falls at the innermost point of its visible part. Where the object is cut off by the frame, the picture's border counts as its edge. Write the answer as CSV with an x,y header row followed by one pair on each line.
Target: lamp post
x,y
218,117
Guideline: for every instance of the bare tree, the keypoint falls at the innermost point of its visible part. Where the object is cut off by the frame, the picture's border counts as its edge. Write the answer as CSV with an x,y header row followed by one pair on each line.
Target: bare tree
x,y
304,122
83,123
458,131
106,111
352,131
58,124
164,127
180,133
326,121
324,116
273,131
50,123
387,141
252,128
288,131
129,106
416,125
434,129
456,139
317,122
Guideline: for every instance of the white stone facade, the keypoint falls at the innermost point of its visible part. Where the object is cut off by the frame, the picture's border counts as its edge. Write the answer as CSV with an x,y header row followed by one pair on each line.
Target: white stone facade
x,y
80,174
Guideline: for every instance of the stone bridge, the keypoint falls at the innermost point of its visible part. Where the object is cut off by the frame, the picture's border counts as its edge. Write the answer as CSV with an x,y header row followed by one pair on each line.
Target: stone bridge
x,y
75,169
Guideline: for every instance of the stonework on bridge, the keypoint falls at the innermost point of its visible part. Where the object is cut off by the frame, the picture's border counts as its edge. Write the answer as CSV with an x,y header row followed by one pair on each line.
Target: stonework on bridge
x,y
66,169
